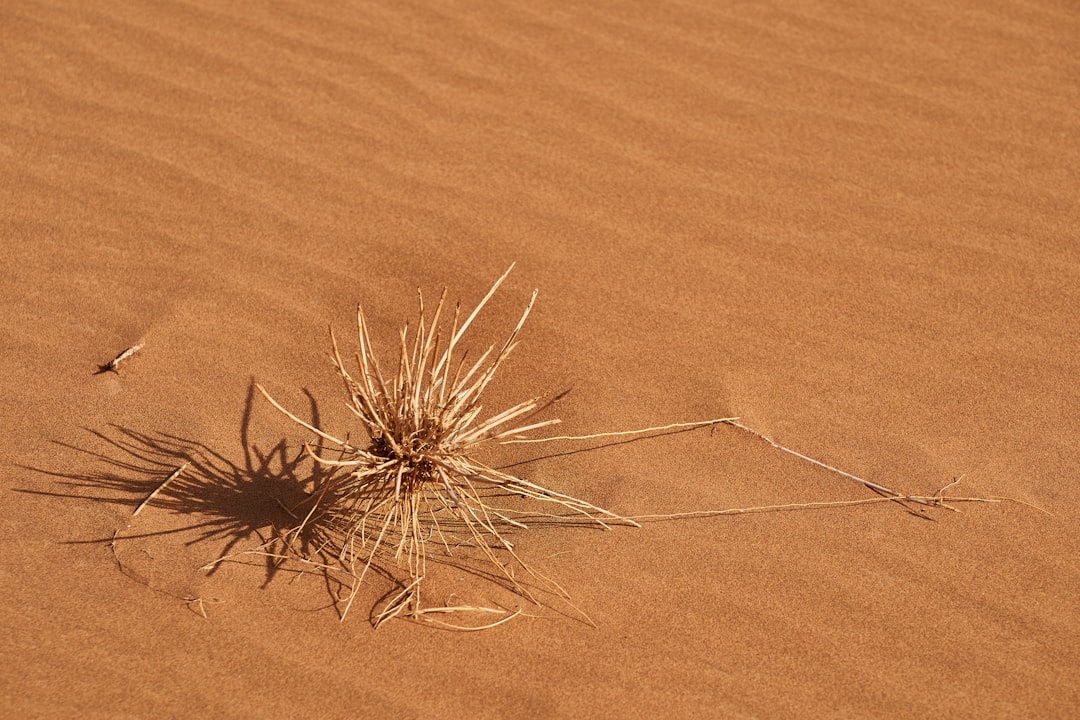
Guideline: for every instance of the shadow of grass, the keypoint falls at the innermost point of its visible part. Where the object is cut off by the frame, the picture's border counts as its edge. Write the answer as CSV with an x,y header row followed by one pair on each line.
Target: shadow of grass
x,y
230,503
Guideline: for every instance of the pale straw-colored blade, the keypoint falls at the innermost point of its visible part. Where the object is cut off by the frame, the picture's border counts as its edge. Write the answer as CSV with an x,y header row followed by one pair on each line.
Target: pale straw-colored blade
x,y
624,433
298,421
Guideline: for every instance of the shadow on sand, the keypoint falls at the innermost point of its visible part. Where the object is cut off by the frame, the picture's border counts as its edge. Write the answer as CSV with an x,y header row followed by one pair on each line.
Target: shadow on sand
x,y
231,505
243,510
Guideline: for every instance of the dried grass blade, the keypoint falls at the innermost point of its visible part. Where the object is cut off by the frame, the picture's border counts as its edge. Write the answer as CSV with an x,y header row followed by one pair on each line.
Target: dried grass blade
x,y
172,476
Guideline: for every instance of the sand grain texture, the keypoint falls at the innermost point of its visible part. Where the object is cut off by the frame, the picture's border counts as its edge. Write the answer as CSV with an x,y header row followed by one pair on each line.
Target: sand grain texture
x,y
855,228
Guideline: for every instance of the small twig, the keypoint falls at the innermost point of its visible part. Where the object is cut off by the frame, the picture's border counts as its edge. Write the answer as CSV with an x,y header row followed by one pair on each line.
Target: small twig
x,y
955,481
175,474
508,616
111,365
621,433
198,605
873,486
936,500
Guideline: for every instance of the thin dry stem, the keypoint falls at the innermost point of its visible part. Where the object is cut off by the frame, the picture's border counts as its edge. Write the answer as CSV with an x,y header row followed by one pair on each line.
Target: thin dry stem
x,y
893,495
175,474
932,500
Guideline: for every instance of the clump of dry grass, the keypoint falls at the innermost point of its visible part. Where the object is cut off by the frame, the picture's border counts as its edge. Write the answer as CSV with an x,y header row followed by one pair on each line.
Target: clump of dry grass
x,y
418,484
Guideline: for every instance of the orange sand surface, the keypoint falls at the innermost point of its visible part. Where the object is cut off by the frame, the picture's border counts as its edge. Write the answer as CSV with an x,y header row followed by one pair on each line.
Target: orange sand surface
x,y
855,226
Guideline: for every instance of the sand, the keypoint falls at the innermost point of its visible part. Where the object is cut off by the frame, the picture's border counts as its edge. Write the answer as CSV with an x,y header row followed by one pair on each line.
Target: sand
x,y
855,228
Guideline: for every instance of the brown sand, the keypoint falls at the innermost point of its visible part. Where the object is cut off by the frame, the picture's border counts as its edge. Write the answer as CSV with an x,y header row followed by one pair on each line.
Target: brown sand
x,y
857,229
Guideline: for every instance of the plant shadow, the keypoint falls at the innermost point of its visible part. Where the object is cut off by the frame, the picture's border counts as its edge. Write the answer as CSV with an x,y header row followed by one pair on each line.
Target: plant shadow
x,y
230,503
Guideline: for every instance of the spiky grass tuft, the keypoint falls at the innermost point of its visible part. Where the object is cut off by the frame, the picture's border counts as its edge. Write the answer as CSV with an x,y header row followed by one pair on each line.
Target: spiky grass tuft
x,y
418,482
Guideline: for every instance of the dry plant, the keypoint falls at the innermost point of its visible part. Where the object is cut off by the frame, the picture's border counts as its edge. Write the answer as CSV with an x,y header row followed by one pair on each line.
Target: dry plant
x,y
418,484
415,488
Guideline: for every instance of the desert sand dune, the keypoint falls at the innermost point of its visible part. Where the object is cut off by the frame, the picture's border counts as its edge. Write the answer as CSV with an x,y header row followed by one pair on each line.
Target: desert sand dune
x,y
853,227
